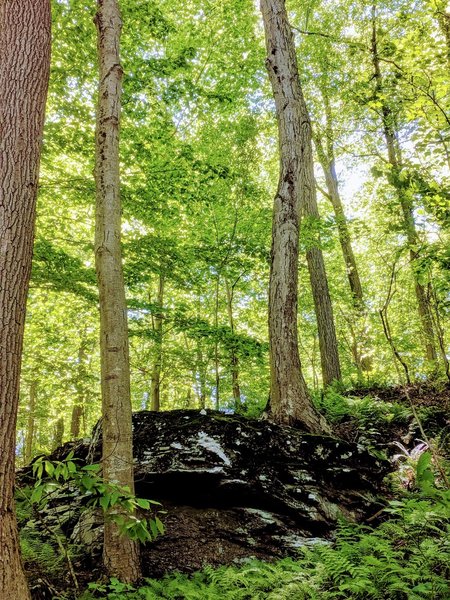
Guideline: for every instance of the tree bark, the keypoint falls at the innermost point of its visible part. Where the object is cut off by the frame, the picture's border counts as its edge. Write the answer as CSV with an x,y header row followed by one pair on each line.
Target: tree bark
x,y
120,554
406,206
24,72
157,365
289,398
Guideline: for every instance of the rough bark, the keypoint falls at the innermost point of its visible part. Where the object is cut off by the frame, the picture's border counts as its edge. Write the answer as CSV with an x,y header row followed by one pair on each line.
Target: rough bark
x,y
157,365
24,73
120,554
409,227
289,398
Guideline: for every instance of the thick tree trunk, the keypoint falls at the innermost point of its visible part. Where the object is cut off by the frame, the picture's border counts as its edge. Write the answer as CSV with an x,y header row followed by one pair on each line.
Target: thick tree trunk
x,y
409,226
157,364
24,71
120,554
289,398
234,359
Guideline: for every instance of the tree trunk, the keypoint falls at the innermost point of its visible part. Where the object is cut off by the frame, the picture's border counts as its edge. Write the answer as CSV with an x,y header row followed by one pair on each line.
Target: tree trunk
x,y
78,407
120,554
329,355
409,226
157,365
58,435
24,71
328,346
31,422
289,398
325,152
216,344
234,359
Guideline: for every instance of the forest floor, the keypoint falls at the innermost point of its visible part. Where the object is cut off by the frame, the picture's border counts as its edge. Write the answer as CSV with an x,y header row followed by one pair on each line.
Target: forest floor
x,y
379,418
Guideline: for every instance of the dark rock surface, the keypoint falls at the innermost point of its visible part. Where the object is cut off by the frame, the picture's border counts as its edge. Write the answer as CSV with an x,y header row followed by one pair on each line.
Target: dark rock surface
x,y
234,488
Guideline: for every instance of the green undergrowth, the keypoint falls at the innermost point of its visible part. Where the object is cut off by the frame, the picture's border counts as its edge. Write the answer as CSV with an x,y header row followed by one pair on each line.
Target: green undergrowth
x,y
407,557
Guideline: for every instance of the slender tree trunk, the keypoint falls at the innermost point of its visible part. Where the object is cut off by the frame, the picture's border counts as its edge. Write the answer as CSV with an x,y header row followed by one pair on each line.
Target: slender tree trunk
x,y
31,422
329,355
234,359
328,346
409,226
200,377
78,407
120,554
216,343
289,398
325,152
24,71
58,436
157,365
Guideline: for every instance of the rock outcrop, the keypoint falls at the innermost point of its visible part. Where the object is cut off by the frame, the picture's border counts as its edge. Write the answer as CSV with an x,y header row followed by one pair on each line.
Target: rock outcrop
x,y
233,488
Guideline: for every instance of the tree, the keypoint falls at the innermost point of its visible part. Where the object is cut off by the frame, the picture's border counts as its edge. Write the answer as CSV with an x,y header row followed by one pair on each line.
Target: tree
x,y
24,73
401,184
289,398
120,554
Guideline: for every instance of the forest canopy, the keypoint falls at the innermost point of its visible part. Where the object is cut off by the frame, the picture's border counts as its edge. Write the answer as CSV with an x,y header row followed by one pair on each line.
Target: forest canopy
x,y
199,164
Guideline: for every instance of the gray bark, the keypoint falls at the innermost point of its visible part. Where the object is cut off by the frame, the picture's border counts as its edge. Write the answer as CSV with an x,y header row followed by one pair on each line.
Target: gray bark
x,y
120,554
289,398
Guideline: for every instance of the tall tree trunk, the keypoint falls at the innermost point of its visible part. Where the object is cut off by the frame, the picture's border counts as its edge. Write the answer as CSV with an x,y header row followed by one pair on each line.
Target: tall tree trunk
x,y
325,152
327,159
328,346
120,554
24,72
216,343
158,331
405,202
31,423
234,359
289,398
329,354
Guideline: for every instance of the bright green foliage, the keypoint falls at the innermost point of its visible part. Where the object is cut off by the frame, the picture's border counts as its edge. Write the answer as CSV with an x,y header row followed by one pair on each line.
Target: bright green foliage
x,y
198,173
135,517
